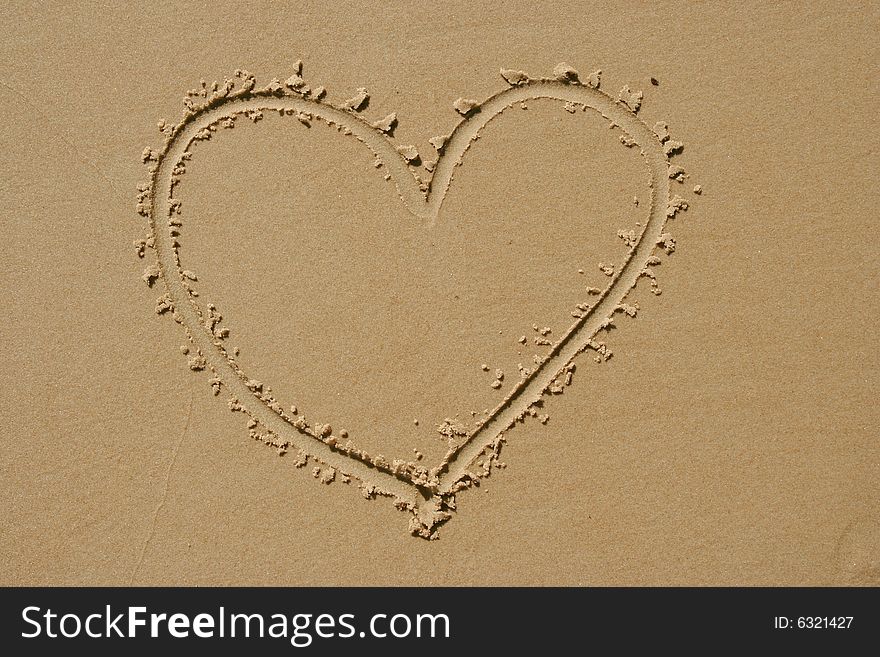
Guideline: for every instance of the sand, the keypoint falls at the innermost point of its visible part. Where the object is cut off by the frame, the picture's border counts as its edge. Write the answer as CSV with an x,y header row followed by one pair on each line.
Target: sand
x,y
418,298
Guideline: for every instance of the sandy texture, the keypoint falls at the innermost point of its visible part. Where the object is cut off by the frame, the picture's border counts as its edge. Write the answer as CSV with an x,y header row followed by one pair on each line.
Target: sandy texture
x,y
593,312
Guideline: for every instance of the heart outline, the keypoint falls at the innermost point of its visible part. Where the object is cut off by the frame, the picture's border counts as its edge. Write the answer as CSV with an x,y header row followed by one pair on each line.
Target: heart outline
x,y
430,497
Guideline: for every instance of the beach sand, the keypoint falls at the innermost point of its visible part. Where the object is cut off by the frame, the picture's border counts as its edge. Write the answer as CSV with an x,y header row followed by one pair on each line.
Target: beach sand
x,y
298,340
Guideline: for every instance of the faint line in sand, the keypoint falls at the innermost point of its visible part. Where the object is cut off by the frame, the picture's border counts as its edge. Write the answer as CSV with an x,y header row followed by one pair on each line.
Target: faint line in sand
x,y
161,504
48,122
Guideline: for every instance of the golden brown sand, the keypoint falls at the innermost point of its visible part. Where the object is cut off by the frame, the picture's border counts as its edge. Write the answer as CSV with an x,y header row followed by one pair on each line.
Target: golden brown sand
x,y
409,274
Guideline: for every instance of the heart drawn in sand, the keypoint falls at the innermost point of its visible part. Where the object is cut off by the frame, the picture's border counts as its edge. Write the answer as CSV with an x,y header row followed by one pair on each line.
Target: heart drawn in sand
x,y
428,493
